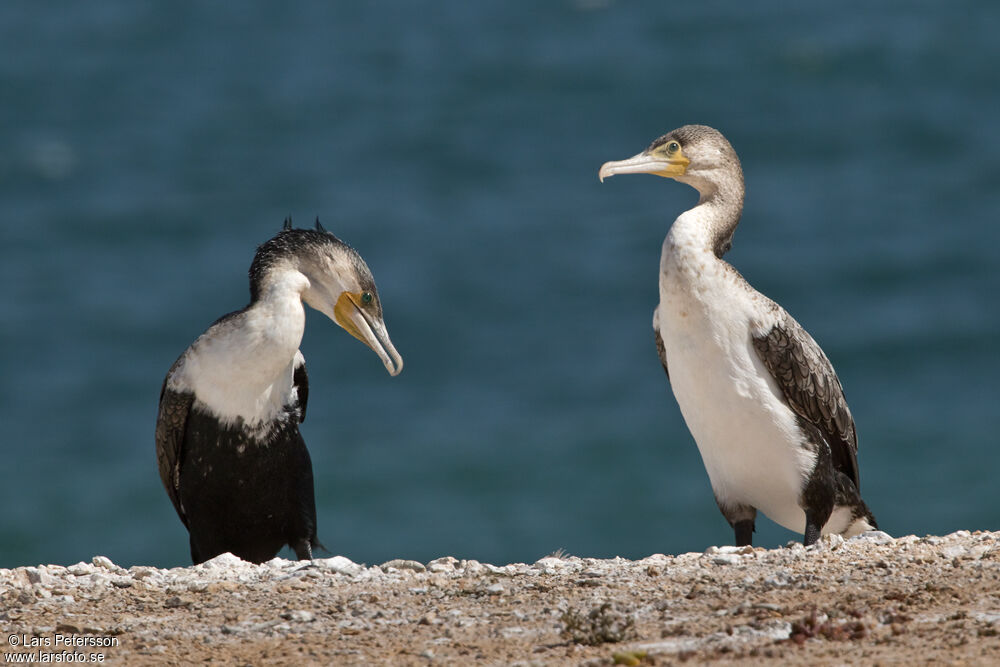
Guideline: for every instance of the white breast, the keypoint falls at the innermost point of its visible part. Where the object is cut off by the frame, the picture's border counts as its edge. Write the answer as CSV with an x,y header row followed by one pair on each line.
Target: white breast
x,y
243,368
747,436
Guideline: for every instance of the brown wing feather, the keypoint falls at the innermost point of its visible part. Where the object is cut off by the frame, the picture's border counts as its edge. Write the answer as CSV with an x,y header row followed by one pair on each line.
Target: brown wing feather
x,y
170,427
661,350
812,389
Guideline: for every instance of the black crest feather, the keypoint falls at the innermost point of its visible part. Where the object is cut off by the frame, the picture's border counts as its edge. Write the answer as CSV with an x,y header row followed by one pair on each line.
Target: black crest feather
x,y
288,223
319,227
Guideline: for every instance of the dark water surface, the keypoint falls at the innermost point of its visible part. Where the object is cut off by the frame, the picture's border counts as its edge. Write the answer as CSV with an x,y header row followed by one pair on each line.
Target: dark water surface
x,y
147,148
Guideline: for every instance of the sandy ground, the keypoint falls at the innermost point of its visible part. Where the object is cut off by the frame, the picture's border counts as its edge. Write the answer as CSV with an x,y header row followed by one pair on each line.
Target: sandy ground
x,y
869,600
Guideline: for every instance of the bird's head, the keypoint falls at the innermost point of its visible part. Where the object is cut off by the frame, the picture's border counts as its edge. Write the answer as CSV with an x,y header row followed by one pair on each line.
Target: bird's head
x,y
338,284
694,154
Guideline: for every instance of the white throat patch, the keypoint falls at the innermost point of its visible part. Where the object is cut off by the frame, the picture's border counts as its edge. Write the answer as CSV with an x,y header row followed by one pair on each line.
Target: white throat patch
x,y
242,367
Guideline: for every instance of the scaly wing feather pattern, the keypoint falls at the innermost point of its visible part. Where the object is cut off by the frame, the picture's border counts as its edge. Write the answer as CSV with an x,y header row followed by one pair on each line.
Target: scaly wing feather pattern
x,y
812,389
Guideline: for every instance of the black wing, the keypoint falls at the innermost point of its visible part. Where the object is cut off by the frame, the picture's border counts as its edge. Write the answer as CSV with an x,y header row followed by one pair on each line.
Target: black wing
x,y
171,424
660,349
812,389
301,381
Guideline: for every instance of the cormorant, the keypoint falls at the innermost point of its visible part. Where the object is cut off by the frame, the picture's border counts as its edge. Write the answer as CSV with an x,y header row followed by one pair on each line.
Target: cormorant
x,y
757,393
227,436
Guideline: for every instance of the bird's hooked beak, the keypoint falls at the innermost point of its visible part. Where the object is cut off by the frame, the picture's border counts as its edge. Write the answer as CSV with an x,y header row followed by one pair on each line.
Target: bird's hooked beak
x,y
370,330
656,162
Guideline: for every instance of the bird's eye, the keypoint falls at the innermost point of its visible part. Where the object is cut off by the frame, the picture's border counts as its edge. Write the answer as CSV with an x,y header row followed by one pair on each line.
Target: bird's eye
x,y
673,147
366,298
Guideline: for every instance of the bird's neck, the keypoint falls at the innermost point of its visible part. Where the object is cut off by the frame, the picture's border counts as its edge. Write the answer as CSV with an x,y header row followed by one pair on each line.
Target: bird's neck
x,y
709,226
243,369
274,324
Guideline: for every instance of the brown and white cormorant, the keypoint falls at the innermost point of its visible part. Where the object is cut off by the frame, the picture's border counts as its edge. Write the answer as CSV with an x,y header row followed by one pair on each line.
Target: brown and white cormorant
x,y
757,393
227,436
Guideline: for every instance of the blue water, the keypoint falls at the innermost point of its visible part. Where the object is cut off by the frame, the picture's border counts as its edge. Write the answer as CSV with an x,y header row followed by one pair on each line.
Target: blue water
x,y
147,148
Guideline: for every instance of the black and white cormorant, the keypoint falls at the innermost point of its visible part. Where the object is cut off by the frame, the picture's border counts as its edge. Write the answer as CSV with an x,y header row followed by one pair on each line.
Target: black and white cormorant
x,y
757,393
227,436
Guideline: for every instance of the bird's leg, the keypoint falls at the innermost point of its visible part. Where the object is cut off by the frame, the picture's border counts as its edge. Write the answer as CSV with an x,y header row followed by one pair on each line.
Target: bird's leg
x,y
819,493
812,529
744,532
303,549
741,518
